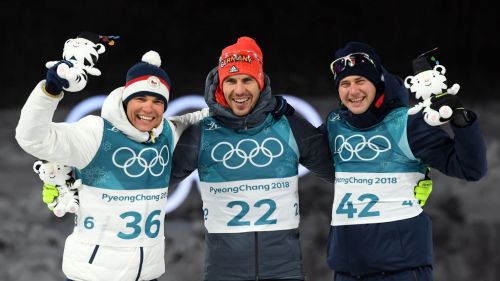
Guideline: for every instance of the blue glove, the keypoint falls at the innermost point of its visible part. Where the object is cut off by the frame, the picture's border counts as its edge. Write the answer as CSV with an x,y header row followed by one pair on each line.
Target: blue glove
x,y
54,83
282,107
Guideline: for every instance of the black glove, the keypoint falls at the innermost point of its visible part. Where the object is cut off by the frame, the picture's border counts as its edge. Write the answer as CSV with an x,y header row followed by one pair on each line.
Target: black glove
x,y
282,107
54,83
460,117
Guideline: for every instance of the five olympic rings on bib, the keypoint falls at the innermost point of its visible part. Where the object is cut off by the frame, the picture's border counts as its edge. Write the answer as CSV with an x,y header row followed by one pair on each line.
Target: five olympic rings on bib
x,y
230,153
155,165
344,144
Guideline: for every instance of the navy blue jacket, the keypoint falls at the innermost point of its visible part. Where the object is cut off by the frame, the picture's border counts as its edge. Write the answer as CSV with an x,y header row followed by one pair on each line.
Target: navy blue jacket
x,y
404,244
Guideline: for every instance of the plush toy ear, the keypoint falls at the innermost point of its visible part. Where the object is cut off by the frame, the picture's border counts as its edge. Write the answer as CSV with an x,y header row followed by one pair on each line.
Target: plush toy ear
x,y
100,48
37,165
438,67
408,81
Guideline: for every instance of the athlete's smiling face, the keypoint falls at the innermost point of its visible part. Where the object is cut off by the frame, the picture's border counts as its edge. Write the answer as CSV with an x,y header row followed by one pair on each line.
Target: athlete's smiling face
x,y
145,112
356,93
241,92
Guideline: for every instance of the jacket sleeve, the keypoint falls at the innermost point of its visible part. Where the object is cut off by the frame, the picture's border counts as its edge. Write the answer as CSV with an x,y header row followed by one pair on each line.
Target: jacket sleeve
x,y
313,148
183,121
463,156
186,152
72,144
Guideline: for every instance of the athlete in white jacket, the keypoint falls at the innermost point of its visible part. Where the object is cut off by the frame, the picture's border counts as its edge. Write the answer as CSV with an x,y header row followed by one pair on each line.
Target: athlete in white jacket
x,y
124,160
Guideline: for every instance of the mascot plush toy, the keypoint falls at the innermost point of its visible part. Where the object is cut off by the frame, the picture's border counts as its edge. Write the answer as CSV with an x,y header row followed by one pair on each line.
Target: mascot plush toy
x,y
58,175
82,54
428,84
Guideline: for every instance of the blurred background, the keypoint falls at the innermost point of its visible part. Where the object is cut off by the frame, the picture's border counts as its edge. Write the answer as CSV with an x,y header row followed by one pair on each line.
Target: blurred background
x,y
298,39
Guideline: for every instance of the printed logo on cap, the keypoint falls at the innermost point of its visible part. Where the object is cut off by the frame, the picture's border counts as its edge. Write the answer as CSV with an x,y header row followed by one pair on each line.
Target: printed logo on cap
x,y
233,69
154,82
234,59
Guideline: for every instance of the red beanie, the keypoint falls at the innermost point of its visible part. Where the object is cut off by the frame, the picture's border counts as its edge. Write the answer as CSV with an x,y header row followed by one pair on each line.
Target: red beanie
x,y
243,57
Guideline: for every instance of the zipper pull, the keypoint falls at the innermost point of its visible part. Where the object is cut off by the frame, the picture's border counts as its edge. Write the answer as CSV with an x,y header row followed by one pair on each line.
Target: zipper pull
x,y
152,137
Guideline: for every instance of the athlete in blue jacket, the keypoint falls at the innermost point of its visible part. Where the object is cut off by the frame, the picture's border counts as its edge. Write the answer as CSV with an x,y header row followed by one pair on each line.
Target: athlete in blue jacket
x,y
378,229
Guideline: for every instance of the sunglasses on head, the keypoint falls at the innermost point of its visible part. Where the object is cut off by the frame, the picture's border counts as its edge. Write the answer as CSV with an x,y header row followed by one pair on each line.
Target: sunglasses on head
x,y
350,60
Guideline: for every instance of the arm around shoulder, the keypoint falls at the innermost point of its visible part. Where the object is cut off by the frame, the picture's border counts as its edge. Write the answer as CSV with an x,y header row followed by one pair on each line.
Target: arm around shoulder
x,y
180,123
313,148
185,159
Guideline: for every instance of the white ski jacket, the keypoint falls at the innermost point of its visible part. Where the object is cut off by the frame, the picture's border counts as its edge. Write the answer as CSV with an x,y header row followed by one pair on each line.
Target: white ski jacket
x,y
76,144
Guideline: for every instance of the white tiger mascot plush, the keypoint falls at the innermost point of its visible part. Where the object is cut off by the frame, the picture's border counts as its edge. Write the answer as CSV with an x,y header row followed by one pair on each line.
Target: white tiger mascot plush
x,y
60,176
426,83
83,52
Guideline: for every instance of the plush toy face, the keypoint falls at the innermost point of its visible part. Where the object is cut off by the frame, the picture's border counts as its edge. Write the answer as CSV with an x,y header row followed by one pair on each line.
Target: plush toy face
x,y
83,51
427,83
52,173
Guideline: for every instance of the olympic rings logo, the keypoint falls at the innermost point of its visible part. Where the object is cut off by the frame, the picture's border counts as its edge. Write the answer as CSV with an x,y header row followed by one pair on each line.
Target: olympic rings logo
x,y
344,144
160,160
181,104
229,151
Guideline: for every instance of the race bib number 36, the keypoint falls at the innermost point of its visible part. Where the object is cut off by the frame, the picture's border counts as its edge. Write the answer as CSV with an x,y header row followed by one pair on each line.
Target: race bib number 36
x,y
256,205
121,217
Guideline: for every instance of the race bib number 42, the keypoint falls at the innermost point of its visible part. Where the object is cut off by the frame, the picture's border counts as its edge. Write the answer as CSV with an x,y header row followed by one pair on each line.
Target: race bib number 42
x,y
374,197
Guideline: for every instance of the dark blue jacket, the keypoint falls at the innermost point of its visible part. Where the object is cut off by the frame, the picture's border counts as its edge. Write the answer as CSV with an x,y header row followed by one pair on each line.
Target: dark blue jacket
x,y
404,244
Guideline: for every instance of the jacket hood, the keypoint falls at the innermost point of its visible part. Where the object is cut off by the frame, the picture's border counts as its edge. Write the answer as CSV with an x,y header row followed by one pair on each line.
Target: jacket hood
x,y
265,105
113,111
393,94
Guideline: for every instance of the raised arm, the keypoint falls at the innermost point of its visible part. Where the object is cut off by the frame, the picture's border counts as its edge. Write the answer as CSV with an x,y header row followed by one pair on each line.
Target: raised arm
x,y
463,156
70,144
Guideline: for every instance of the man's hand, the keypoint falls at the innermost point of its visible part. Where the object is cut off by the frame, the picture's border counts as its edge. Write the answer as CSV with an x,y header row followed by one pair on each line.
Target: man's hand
x,y
423,190
441,100
282,107
54,83
460,117
49,195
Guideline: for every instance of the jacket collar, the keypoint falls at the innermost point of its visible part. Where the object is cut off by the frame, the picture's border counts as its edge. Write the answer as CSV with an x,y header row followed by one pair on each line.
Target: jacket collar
x,y
265,105
113,111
